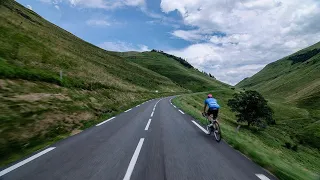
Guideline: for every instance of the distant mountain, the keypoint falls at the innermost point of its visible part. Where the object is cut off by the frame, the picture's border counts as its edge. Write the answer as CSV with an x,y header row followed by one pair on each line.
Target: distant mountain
x,y
295,78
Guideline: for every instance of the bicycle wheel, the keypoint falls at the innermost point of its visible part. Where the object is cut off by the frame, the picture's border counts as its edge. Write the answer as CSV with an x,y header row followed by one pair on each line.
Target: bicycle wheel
x,y
217,132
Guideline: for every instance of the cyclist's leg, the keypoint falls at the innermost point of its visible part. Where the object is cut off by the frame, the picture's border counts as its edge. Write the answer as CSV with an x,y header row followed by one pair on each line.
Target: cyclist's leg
x,y
214,116
209,116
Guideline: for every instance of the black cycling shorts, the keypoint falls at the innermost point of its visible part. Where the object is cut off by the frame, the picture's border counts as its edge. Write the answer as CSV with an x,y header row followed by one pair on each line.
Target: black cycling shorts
x,y
214,113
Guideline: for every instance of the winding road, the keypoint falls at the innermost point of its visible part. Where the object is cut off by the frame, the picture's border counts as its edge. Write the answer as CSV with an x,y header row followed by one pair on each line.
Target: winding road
x,y
152,141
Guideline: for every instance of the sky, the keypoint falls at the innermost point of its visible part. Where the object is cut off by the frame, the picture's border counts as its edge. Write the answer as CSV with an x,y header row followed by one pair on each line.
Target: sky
x,y
231,39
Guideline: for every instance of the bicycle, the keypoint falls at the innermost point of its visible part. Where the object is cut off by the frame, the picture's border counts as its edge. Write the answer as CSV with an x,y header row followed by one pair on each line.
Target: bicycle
x,y
213,127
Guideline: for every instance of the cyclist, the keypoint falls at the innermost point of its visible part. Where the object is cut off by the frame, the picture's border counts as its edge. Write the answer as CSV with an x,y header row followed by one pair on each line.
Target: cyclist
x,y
213,107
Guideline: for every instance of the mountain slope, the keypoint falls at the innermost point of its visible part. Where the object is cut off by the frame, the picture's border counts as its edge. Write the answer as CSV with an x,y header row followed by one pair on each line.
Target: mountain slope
x,y
38,107
175,69
295,78
292,85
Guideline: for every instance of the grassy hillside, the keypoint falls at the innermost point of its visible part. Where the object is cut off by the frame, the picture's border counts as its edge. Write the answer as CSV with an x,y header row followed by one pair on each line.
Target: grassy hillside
x,y
267,147
295,78
292,87
38,107
294,81
181,73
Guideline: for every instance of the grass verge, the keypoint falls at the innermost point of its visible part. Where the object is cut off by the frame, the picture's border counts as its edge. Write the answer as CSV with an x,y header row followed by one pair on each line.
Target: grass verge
x,y
263,147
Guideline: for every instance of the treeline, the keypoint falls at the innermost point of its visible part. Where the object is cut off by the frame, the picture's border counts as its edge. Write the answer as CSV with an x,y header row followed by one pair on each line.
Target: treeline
x,y
207,74
304,56
182,61
179,59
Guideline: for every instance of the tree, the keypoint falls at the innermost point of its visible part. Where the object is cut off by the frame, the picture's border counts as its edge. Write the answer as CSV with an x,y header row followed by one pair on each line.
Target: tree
x,y
252,108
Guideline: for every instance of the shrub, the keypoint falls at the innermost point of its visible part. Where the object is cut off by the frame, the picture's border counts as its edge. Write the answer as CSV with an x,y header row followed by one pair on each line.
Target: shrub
x,y
251,108
287,145
295,148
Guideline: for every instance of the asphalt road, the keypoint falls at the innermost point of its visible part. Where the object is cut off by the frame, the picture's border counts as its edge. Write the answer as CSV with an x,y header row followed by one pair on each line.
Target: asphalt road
x,y
153,141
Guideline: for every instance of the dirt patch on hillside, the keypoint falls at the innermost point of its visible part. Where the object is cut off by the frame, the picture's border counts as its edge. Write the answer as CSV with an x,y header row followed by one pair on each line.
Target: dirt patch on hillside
x,y
32,97
59,118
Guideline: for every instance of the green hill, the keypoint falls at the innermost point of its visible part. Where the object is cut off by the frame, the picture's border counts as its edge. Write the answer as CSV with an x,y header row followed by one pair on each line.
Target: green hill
x,y
39,107
293,83
295,78
177,70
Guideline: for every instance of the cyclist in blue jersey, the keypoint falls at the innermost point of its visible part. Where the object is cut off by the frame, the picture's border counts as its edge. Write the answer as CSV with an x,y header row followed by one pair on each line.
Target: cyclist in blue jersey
x,y
213,107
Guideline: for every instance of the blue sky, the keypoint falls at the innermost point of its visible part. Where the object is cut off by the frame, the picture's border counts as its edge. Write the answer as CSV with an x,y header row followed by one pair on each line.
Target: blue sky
x,y
230,39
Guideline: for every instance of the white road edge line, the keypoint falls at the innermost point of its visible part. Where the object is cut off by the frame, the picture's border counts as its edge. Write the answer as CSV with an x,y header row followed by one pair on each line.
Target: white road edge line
x,y
200,127
181,111
105,121
174,106
152,113
133,160
128,110
137,105
262,177
11,168
147,126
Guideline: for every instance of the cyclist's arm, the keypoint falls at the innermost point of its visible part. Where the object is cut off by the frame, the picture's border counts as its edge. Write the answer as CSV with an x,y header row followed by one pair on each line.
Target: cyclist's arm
x,y
205,107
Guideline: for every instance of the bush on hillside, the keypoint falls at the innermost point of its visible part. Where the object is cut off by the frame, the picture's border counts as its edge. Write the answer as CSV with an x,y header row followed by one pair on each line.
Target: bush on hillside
x,y
252,108
310,135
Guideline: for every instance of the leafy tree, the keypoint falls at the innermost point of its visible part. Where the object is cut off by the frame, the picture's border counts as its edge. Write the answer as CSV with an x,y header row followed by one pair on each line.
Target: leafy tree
x,y
252,108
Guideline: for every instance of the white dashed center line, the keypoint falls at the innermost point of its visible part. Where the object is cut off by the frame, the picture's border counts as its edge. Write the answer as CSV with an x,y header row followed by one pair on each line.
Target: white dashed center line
x,y
133,160
147,126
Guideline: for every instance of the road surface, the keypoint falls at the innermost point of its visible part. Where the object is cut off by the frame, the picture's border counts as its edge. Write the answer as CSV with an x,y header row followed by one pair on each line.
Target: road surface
x,y
153,141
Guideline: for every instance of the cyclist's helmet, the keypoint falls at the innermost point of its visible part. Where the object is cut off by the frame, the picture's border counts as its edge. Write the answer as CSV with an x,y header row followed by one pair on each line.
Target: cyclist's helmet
x,y
209,95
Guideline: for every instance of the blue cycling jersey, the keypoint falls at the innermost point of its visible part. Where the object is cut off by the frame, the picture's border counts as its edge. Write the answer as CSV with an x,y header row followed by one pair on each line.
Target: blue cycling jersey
x,y
212,103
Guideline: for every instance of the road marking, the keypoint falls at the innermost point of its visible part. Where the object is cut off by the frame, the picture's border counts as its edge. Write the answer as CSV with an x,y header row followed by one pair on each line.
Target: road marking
x,y
133,160
262,177
105,121
152,113
128,110
181,111
147,126
174,106
200,127
137,105
11,168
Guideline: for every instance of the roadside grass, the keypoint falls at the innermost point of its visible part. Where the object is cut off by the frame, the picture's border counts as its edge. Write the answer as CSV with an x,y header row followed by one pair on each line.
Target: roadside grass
x,y
37,107
37,114
265,147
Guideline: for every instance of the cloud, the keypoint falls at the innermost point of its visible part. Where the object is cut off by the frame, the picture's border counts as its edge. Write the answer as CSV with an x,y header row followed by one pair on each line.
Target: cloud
x,y
100,4
122,46
188,35
256,32
57,7
29,7
97,22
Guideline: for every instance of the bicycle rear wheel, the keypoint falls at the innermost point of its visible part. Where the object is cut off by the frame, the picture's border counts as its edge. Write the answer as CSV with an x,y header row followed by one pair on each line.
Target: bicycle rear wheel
x,y
217,132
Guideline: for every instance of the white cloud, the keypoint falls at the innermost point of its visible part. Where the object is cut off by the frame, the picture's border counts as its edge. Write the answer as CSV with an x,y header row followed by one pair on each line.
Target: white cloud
x,y
97,22
57,7
255,33
29,7
102,4
193,35
122,46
